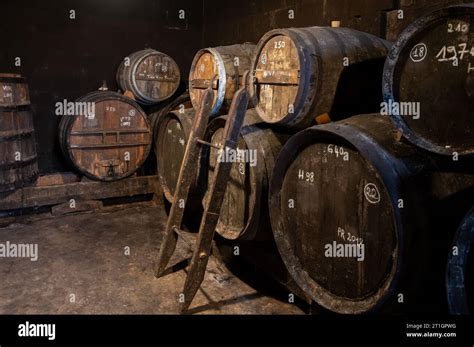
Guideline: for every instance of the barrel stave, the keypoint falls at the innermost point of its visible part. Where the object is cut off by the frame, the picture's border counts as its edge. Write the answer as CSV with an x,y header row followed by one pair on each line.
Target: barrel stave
x,y
18,158
172,134
244,214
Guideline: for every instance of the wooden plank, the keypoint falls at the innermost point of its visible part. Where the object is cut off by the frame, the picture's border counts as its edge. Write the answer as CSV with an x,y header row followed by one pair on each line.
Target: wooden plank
x,y
57,194
57,179
278,77
201,83
75,206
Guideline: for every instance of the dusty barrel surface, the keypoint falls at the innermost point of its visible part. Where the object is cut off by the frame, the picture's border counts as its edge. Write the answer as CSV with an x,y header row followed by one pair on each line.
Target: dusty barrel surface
x,y
347,206
171,138
150,75
182,102
228,63
460,269
18,158
301,74
244,212
108,138
429,76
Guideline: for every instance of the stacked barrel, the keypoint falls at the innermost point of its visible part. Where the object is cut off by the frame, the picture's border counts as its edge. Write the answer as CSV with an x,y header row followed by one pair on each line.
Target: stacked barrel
x,y
149,75
223,67
282,91
18,159
358,144
432,63
244,212
227,63
111,136
309,75
370,181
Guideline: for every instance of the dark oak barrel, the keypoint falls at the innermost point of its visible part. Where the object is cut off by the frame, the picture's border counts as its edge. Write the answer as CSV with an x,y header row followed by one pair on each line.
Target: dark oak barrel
x,y
18,158
244,213
150,75
182,102
110,144
171,137
228,63
460,270
305,73
432,64
353,183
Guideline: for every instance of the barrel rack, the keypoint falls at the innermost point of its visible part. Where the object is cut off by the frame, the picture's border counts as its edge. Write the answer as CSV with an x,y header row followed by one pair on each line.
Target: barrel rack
x,y
67,193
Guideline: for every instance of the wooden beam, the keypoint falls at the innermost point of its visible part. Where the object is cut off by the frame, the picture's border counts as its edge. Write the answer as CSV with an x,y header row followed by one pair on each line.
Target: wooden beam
x,y
58,194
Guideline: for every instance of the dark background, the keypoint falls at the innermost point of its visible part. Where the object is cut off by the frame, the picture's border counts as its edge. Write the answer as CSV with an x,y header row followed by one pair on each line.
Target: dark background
x,y
64,58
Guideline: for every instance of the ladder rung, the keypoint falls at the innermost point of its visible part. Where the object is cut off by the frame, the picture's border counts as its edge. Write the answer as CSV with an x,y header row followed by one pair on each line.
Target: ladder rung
x,y
202,142
180,232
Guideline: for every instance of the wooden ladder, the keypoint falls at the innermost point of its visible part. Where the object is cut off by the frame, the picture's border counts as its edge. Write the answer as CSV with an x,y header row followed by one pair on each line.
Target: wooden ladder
x,y
187,176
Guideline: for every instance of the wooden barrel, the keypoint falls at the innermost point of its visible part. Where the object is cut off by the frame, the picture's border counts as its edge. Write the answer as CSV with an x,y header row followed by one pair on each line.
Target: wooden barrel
x,y
228,63
171,138
431,67
460,270
110,143
182,102
18,158
244,212
349,207
302,74
150,75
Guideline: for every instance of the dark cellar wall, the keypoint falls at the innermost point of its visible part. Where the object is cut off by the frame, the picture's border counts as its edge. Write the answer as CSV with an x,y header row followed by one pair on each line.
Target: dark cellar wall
x,y
65,59
259,16
228,22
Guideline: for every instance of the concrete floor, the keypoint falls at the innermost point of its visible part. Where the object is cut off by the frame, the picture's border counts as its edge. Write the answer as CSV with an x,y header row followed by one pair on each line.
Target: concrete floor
x,y
83,269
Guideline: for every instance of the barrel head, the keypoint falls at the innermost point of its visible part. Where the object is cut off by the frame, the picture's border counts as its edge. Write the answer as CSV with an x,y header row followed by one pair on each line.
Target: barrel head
x,y
429,76
277,78
111,142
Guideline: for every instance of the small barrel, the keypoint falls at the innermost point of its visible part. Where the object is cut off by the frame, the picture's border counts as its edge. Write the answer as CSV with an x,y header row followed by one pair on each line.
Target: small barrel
x,y
150,75
244,212
18,158
228,63
428,81
350,212
171,138
460,270
107,138
309,75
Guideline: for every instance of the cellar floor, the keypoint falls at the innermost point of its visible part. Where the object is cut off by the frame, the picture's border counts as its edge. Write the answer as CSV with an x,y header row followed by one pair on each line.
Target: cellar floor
x,y
84,267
